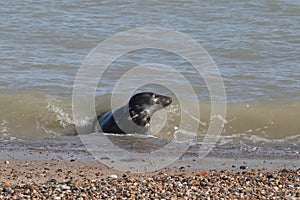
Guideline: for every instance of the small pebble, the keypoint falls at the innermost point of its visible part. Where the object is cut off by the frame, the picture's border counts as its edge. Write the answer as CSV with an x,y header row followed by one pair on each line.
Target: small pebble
x,y
52,180
7,190
177,184
5,184
65,187
243,167
273,176
113,176
58,170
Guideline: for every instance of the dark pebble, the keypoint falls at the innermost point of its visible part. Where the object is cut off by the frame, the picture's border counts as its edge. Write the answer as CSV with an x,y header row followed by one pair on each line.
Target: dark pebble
x,y
271,176
202,183
243,167
7,190
231,190
104,158
58,170
52,180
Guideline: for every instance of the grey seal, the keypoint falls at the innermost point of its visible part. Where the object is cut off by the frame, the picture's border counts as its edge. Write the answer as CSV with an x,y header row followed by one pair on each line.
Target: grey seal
x,y
135,116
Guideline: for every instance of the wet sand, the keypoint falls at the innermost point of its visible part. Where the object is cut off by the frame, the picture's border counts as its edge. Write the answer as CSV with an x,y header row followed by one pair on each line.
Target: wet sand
x,y
53,174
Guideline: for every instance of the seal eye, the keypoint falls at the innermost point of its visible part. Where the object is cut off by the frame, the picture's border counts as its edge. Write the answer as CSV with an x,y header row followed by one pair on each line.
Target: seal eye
x,y
147,119
156,101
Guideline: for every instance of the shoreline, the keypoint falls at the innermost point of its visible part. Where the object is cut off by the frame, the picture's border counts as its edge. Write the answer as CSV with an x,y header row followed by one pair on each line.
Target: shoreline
x,y
189,161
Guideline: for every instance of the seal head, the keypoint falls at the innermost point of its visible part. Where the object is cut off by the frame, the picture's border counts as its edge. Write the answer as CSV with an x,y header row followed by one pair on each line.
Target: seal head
x,y
143,105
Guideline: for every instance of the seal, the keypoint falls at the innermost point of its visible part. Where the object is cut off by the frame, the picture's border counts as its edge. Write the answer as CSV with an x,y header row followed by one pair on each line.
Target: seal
x,y
135,116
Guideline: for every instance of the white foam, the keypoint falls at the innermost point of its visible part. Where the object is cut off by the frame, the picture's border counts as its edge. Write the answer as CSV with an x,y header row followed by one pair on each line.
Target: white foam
x,y
183,135
63,117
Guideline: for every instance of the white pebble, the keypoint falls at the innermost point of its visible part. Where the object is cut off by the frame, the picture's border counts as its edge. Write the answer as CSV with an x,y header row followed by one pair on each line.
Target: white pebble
x,y
65,187
113,176
178,184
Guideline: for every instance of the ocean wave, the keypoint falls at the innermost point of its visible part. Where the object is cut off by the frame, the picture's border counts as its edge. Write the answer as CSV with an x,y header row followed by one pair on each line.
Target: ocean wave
x,y
32,114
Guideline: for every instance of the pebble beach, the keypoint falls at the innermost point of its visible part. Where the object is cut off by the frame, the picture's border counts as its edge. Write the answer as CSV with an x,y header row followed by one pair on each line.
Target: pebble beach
x,y
57,180
31,171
